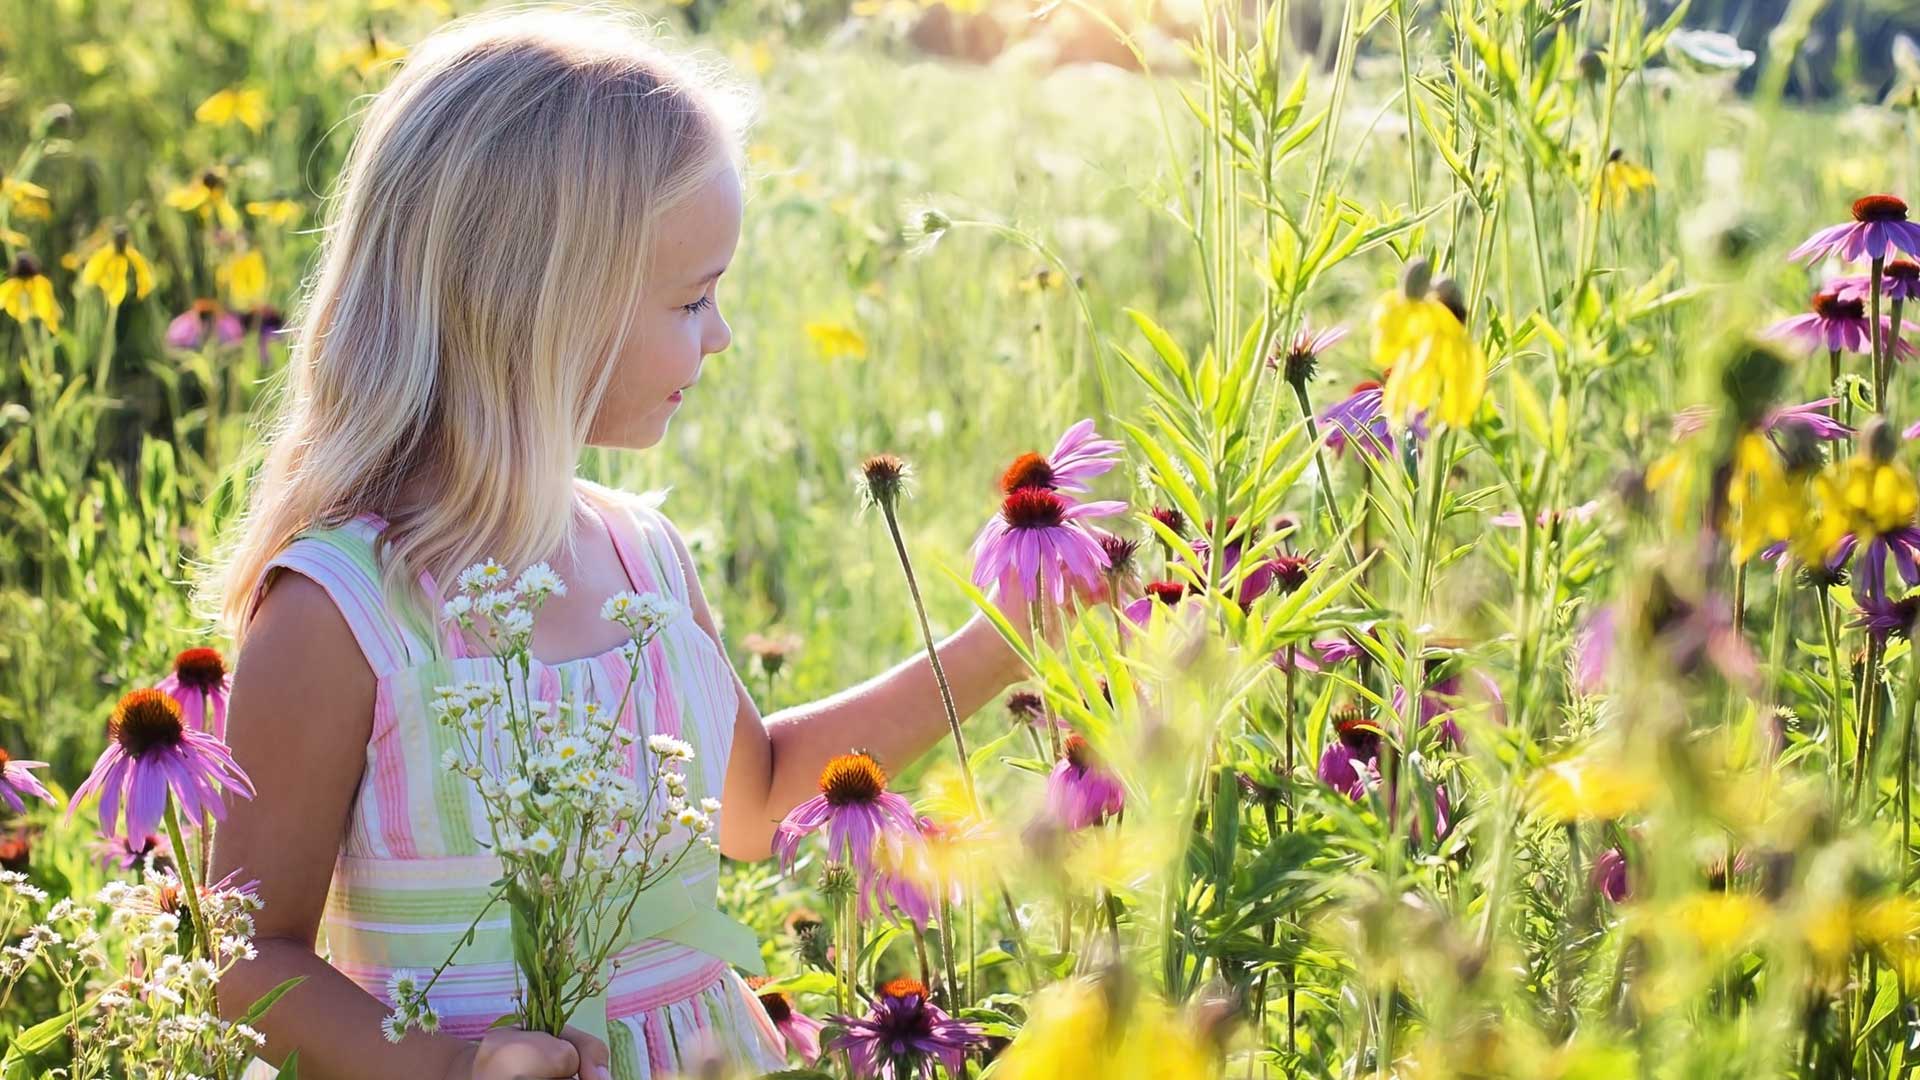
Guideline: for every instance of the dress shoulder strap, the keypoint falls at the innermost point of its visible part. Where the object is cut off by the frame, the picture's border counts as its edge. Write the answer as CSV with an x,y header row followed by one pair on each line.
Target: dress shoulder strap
x,y
645,537
344,561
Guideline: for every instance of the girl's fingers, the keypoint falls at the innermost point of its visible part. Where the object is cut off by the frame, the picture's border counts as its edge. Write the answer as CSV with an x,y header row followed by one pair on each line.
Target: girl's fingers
x,y
595,1059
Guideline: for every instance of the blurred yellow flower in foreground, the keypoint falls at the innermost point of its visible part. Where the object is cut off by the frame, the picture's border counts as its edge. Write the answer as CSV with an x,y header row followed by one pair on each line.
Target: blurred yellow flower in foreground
x,y
1766,504
837,339
1431,361
245,278
368,56
1868,494
1588,790
1071,1032
1619,179
28,293
108,268
231,106
29,199
207,195
1719,921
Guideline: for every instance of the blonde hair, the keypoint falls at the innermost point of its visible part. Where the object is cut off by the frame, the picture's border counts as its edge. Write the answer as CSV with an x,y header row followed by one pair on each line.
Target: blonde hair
x,y
482,256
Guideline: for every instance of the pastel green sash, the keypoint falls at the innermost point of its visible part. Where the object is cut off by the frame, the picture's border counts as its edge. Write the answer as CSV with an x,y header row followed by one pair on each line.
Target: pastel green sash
x,y
665,912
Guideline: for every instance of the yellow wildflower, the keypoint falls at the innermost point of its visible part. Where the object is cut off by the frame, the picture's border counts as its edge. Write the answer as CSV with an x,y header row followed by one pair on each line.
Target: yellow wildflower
x,y
28,293
13,239
107,270
276,211
1432,362
1719,921
29,199
1070,1032
91,57
208,195
1766,502
1868,494
367,57
1619,179
756,57
1587,789
245,278
837,339
232,106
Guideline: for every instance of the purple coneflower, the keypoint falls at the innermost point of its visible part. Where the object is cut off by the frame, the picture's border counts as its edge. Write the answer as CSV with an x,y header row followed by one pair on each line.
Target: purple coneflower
x,y
190,328
1079,456
904,1034
151,752
1811,415
1303,355
800,1032
855,808
1288,572
200,683
126,853
1878,229
1882,618
1902,543
1036,544
1080,792
16,781
1350,763
1317,656
1837,323
1609,875
1899,280
1140,612
1358,418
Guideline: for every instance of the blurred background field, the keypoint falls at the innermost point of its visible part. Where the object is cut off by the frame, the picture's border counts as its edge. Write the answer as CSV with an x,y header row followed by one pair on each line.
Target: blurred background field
x,y
122,454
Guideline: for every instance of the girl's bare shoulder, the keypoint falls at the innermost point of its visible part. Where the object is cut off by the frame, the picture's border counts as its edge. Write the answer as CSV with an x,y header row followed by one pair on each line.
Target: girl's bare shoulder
x,y
300,647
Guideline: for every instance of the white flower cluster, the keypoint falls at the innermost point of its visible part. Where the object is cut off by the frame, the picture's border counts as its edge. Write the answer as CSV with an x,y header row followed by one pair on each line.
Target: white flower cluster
x,y
572,826
148,974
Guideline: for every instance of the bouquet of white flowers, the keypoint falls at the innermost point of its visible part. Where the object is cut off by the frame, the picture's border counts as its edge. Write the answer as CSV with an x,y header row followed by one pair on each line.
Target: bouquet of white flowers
x,y
578,843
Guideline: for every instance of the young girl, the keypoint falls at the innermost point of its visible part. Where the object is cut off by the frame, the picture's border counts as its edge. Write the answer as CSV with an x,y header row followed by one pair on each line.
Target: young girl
x,y
521,261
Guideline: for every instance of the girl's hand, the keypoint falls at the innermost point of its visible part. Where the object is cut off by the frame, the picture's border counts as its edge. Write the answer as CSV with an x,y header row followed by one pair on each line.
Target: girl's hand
x,y
506,1054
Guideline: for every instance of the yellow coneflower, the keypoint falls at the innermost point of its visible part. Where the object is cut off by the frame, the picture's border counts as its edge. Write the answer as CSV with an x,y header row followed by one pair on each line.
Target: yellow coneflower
x,y
1765,502
107,270
13,239
276,211
207,195
1588,789
1420,338
1077,1027
29,199
1867,496
28,293
232,106
837,339
1619,179
245,278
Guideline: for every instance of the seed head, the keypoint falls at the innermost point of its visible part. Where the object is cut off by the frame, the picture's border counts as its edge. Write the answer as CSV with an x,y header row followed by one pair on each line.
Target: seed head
x,y
882,480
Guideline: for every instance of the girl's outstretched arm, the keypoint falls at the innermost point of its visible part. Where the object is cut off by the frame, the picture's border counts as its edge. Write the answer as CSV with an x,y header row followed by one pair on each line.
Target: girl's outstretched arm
x,y
896,715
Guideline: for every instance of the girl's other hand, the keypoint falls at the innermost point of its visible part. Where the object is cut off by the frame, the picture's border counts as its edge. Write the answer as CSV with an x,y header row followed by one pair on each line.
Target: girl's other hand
x,y
506,1054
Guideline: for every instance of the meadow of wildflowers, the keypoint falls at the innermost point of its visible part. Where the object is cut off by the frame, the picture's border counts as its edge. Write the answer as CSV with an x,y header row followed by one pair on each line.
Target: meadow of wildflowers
x,y
1447,468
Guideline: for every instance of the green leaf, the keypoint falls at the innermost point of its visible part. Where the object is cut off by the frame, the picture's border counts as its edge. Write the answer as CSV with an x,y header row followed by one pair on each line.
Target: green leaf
x,y
260,1007
291,1070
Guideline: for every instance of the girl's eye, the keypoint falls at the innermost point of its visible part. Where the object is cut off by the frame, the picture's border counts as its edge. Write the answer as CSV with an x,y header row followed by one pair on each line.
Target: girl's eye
x,y
697,306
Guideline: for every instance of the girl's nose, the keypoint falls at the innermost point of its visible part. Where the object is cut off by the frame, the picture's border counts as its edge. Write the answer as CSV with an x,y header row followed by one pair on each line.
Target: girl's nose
x,y
719,336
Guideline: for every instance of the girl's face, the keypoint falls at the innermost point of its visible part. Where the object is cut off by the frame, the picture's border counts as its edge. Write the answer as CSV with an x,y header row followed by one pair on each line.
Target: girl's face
x,y
679,324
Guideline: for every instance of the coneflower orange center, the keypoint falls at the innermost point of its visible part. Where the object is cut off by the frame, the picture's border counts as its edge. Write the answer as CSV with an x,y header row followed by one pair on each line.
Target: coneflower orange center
x,y
1365,385
852,778
201,668
1167,592
904,987
1027,471
4,759
145,720
1034,508
1830,305
1077,752
1902,269
1879,208
779,1009
1290,571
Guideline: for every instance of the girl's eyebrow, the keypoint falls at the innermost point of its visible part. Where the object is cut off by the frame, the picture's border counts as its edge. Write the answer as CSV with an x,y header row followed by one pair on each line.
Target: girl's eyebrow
x,y
710,276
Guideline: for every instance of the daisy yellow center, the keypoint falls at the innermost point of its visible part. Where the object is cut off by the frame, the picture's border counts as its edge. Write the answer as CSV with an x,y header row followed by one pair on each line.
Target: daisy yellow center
x,y
200,668
146,720
852,778
1830,305
1879,208
1034,508
1027,471
903,987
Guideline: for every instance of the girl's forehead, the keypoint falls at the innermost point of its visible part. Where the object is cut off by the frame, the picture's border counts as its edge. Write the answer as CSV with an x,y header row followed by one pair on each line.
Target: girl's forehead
x,y
699,234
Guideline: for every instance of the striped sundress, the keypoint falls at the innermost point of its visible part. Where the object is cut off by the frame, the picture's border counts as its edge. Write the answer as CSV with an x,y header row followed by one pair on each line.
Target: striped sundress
x,y
413,872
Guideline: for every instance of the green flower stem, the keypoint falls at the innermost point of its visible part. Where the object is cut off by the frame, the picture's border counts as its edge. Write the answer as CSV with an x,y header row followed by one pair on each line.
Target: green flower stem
x,y
933,657
1880,358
